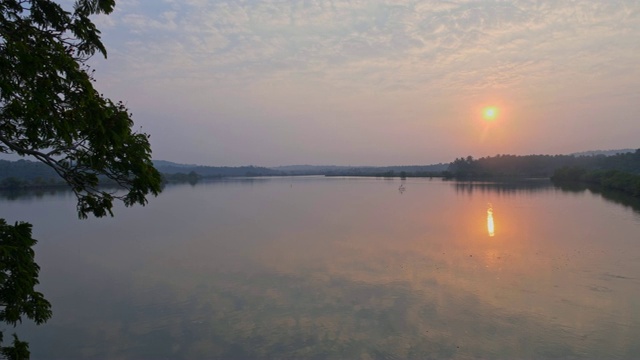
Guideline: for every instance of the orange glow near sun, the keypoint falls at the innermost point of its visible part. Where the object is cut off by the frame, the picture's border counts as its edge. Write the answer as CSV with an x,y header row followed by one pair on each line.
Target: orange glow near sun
x,y
490,113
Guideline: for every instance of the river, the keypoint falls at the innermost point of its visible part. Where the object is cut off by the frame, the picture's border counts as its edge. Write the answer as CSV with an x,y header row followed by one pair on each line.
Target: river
x,y
359,268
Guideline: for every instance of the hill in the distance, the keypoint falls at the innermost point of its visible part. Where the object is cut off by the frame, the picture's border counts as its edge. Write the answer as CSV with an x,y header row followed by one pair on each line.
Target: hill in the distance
x,y
359,170
603,152
27,172
32,171
168,167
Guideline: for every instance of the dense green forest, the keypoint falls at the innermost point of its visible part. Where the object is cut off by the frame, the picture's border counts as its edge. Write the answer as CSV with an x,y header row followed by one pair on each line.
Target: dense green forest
x,y
617,172
542,166
511,166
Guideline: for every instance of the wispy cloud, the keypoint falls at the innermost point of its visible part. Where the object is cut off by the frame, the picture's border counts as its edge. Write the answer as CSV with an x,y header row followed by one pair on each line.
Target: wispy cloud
x,y
380,43
430,49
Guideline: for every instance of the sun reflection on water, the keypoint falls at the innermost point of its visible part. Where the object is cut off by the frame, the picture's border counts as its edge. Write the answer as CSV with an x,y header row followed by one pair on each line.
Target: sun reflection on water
x,y
490,226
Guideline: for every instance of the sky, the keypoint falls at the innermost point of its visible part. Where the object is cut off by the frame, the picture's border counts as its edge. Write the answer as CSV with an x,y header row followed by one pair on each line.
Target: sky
x,y
373,82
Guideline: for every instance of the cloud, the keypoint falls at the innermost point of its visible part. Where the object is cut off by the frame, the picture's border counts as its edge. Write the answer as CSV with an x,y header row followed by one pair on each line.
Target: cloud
x,y
439,51
445,46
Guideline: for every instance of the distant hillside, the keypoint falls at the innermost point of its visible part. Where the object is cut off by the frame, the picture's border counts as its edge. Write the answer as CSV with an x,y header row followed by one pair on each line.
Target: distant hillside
x,y
27,170
26,173
359,170
167,167
164,163
308,169
603,152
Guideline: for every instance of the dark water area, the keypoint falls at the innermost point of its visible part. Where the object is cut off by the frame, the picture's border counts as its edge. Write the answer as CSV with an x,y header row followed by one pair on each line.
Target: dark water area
x,y
324,268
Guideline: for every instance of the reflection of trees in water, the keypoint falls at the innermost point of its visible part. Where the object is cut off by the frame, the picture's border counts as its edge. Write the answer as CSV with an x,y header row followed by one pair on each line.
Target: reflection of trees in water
x,y
40,193
503,187
614,196
533,186
35,193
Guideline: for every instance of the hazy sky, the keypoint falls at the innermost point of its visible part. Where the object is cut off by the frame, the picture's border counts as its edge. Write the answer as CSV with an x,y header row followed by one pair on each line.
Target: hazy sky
x,y
372,82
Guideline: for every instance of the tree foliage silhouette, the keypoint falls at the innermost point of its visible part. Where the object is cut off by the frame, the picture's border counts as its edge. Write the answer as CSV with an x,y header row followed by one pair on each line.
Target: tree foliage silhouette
x,y
50,111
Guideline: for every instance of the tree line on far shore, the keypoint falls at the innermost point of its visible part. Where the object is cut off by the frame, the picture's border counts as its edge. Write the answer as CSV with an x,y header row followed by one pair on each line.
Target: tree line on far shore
x,y
596,169
540,166
618,172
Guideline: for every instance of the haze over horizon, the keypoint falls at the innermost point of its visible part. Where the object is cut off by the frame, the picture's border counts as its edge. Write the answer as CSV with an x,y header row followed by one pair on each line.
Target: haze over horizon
x,y
354,82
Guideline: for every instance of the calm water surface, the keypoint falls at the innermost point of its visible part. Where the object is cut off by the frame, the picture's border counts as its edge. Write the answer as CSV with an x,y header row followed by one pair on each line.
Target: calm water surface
x,y
318,267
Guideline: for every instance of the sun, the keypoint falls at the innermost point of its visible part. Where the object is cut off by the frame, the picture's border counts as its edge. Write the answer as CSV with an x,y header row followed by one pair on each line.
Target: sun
x,y
490,113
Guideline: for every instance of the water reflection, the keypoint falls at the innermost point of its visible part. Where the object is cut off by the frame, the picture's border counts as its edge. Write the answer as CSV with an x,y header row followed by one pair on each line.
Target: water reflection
x,y
503,187
342,268
490,226
35,193
616,197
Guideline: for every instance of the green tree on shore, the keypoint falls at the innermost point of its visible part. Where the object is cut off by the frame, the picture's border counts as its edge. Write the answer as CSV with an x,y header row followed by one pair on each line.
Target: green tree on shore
x,y
50,111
